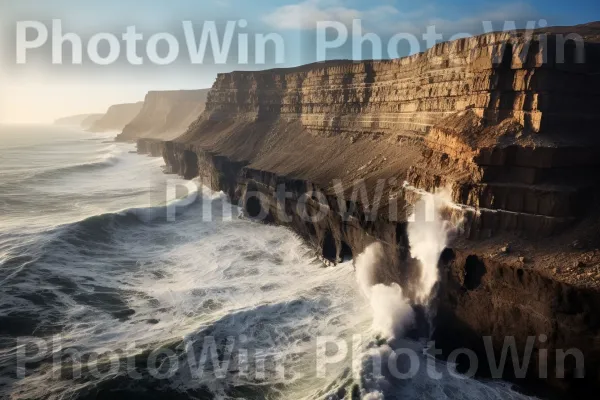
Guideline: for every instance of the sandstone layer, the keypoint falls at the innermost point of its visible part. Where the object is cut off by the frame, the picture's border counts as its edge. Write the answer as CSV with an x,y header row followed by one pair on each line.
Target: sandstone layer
x,y
116,117
498,119
165,114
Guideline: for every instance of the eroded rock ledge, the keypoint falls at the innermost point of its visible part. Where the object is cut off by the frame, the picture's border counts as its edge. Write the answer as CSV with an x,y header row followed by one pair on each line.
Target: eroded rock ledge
x,y
512,137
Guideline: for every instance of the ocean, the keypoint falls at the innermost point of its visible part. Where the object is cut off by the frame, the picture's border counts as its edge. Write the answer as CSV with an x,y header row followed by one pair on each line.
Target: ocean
x,y
118,280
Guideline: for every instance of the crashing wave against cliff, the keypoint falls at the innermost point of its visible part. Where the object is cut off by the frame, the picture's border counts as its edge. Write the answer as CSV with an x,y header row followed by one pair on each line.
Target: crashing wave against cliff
x,y
497,119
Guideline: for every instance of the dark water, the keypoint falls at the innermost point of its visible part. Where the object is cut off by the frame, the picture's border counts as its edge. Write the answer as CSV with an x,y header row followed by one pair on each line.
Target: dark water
x,y
118,281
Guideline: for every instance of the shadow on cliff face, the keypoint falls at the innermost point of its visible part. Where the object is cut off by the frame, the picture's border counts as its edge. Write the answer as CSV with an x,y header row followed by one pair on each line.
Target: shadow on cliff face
x,y
253,207
256,205
329,248
345,251
190,165
485,307
474,272
335,251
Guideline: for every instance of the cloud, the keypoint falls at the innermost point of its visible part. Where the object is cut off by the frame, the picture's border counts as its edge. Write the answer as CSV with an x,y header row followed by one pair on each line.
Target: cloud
x,y
389,20
473,24
305,15
223,3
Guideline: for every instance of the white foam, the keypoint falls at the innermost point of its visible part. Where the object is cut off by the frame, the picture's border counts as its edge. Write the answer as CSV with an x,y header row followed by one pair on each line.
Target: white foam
x,y
390,310
428,235
230,276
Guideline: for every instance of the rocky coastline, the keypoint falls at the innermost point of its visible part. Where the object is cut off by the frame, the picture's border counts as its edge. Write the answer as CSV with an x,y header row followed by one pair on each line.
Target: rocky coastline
x,y
496,119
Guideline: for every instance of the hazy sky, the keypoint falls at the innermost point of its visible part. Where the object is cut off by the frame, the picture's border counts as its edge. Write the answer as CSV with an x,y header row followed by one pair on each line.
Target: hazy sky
x,y
39,91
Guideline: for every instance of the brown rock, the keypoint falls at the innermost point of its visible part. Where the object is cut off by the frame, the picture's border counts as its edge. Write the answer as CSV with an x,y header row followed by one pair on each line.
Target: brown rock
x,y
465,120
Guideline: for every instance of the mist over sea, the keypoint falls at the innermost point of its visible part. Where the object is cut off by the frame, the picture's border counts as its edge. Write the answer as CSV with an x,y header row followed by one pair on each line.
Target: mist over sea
x,y
90,263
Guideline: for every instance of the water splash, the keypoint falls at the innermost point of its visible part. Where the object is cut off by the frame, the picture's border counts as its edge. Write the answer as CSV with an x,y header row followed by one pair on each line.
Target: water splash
x,y
392,313
428,236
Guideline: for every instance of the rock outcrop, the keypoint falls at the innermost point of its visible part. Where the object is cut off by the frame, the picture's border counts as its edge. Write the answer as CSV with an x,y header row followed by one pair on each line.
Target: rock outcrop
x,y
498,119
116,117
165,114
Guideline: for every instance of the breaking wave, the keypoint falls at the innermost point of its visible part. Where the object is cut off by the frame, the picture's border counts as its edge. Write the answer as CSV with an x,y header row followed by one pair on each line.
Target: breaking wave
x,y
105,161
89,262
396,363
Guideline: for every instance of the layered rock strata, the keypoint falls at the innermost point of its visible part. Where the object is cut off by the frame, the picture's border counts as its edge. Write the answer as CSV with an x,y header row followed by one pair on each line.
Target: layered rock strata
x,y
497,120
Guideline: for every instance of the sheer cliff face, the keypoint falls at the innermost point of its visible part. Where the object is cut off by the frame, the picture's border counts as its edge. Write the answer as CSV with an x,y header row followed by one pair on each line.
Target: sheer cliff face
x,y
116,117
497,118
165,114
414,93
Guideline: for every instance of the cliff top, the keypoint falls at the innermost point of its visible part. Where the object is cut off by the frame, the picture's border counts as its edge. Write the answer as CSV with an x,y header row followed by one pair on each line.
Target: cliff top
x,y
590,32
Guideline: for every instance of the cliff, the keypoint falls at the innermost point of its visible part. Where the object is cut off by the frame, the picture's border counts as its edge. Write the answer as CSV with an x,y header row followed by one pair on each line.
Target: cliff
x,y
511,134
165,114
116,117
499,120
84,121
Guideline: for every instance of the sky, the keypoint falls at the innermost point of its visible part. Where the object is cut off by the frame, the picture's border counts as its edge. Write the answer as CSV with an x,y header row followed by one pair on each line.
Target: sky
x,y
34,89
